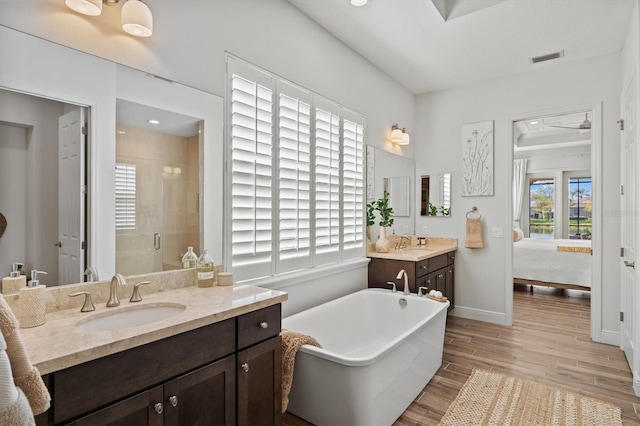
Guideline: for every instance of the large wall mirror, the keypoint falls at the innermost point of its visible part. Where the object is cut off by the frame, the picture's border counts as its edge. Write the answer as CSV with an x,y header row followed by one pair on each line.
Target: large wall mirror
x,y
435,195
123,196
396,175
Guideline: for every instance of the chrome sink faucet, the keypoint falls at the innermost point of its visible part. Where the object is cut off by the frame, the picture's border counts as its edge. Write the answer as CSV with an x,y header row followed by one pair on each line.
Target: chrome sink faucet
x,y
406,281
116,281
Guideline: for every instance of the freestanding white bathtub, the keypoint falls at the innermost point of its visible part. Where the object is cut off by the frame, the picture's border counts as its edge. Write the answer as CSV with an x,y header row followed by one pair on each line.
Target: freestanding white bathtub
x,y
375,359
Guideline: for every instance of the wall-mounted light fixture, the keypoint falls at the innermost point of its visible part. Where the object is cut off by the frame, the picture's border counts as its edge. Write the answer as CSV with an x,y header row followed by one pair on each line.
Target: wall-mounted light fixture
x,y
359,3
399,136
136,17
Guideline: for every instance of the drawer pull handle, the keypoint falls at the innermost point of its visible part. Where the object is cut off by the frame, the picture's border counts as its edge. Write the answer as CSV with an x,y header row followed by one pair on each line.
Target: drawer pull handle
x,y
423,267
173,400
245,367
158,407
264,324
440,276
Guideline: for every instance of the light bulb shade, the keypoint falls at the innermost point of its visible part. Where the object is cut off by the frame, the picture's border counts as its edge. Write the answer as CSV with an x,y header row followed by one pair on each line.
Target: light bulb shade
x,y
137,19
396,135
405,138
86,7
359,3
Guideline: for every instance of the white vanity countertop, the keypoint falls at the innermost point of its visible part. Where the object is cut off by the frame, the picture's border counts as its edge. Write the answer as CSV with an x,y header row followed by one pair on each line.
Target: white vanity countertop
x,y
435,246
59,344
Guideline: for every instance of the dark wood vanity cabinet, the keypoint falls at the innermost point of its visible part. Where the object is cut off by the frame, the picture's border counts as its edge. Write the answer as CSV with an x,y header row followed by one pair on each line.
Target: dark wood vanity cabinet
x,y
200,377
435,273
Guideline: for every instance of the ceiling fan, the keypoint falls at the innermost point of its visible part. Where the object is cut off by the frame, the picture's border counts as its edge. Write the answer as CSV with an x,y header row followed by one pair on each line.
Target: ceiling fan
x,y
585,125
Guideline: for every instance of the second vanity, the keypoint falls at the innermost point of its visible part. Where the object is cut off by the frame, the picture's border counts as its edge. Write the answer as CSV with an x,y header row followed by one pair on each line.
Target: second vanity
x,y
430,266
217,361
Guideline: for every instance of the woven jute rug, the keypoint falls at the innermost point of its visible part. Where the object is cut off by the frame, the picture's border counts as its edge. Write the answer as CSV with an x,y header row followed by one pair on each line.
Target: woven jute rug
x,y
495,399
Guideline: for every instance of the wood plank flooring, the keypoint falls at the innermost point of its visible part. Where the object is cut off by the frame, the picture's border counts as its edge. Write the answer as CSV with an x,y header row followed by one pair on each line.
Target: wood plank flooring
x,y
548,343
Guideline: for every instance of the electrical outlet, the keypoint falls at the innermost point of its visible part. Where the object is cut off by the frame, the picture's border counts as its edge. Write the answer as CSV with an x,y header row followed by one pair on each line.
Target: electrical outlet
x,y
497,232
405,229
424,230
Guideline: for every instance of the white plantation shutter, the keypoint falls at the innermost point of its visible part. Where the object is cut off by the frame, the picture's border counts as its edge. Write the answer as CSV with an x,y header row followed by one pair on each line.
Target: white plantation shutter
x,y
327,181
251,177
296,173
125,196
294,179
353,185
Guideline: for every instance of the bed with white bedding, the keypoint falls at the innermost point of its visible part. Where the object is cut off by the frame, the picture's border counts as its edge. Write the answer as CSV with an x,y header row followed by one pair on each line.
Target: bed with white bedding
x,y
554,263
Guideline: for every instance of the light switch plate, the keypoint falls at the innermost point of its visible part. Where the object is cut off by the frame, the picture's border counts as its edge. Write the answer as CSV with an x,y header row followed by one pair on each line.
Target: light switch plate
x,y
497,232
405,229
424,230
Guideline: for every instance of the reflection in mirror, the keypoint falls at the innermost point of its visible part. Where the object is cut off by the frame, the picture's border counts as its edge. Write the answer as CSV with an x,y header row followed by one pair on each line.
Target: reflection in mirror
x,y
157,187
42,168
435,199
398,190
383,166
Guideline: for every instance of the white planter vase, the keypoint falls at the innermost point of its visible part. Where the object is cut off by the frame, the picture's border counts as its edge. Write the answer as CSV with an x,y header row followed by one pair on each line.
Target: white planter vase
x,y
383,245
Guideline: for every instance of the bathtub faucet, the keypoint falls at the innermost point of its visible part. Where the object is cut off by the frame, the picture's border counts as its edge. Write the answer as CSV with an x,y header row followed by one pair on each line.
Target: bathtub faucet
x,y
406,281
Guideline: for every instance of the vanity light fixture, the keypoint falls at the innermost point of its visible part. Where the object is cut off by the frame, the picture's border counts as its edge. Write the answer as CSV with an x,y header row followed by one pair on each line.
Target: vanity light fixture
x,y
136,17
399,136
359,3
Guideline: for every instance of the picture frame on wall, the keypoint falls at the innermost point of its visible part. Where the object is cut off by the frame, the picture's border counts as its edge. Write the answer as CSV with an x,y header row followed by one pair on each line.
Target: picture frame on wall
x,y
477,159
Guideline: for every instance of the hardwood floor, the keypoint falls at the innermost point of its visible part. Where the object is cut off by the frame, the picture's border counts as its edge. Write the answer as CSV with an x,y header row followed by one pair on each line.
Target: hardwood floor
x,y
549,343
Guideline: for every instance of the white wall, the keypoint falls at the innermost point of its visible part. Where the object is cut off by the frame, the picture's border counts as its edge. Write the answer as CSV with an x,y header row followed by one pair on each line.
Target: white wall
x,y
189,44
481,274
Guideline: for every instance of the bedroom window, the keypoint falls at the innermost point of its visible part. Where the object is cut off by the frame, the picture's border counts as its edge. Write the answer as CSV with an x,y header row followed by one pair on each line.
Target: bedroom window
x,y
541,207
296,174
580,208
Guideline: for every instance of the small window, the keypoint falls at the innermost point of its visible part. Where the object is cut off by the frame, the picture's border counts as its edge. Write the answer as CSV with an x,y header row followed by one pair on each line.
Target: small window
x,y
580,207
541,207
125,196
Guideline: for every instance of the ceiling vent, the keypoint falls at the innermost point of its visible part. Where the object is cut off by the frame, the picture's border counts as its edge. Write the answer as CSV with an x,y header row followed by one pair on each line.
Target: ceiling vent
x,y
547,57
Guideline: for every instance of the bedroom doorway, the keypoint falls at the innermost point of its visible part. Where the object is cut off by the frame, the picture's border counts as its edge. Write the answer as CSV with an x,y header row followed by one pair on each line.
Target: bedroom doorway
x,y
554,203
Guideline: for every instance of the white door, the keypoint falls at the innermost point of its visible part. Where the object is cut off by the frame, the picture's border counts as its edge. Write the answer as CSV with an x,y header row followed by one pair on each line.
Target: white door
x,y
628,273
71,206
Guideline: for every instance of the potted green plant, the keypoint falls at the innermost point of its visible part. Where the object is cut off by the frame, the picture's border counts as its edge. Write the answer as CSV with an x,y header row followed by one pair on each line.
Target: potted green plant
x,y
383,244
371,218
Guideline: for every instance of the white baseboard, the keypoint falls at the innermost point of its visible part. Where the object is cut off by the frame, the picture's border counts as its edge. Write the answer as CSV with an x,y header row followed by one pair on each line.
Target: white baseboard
x,y
479,315
608,337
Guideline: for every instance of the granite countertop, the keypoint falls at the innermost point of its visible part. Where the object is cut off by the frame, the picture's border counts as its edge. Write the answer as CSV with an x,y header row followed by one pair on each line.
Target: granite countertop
x,y
435,246
59,344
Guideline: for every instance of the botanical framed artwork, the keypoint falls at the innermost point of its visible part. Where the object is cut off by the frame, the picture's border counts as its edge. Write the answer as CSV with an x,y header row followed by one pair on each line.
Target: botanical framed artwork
x,y
477,159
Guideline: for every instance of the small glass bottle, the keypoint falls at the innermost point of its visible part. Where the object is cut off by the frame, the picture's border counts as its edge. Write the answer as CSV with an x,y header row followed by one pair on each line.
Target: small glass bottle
x,y
206,274
190,259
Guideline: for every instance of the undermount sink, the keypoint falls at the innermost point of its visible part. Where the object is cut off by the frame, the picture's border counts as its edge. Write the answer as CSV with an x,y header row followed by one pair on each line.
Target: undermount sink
x,y
131,316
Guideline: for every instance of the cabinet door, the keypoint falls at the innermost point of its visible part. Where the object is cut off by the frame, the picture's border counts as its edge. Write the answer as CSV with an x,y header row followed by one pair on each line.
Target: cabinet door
x,y
260,384
449,287
205,396
440,279
140,409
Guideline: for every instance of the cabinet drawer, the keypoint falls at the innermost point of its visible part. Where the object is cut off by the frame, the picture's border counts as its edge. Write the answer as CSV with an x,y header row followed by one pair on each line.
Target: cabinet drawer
x,y
438,262
422,267
86,387
259,325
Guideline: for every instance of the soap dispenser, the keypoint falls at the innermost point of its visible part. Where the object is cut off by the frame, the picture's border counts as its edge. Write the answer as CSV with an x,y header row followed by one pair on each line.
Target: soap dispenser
x,y
32,302
15,281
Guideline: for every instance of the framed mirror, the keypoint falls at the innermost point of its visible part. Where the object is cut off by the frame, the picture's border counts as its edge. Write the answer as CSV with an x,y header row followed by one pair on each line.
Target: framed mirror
x,y
399,195
67,81
435,195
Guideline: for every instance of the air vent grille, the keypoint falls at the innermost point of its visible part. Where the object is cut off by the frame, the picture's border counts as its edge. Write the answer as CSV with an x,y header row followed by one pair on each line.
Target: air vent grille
x,y
547,57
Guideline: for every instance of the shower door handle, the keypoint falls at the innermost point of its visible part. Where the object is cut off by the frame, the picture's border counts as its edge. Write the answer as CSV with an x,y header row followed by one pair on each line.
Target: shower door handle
x,y
156,241
630,264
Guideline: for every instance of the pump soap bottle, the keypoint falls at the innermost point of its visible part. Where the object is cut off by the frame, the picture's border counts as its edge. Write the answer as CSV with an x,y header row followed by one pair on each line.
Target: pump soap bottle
x,y
15,281
33,303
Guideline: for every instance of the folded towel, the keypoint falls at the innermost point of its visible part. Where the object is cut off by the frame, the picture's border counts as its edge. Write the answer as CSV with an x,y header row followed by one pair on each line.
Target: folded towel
x,y
574,249
17,414
14,406
474,234
26,376
291,342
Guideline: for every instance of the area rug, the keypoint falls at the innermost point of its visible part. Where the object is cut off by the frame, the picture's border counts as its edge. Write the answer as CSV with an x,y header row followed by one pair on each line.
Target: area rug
x,y
495,399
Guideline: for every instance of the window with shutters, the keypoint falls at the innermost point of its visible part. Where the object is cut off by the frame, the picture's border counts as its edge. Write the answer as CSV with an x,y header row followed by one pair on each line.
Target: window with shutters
x,y
125,196
296,172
